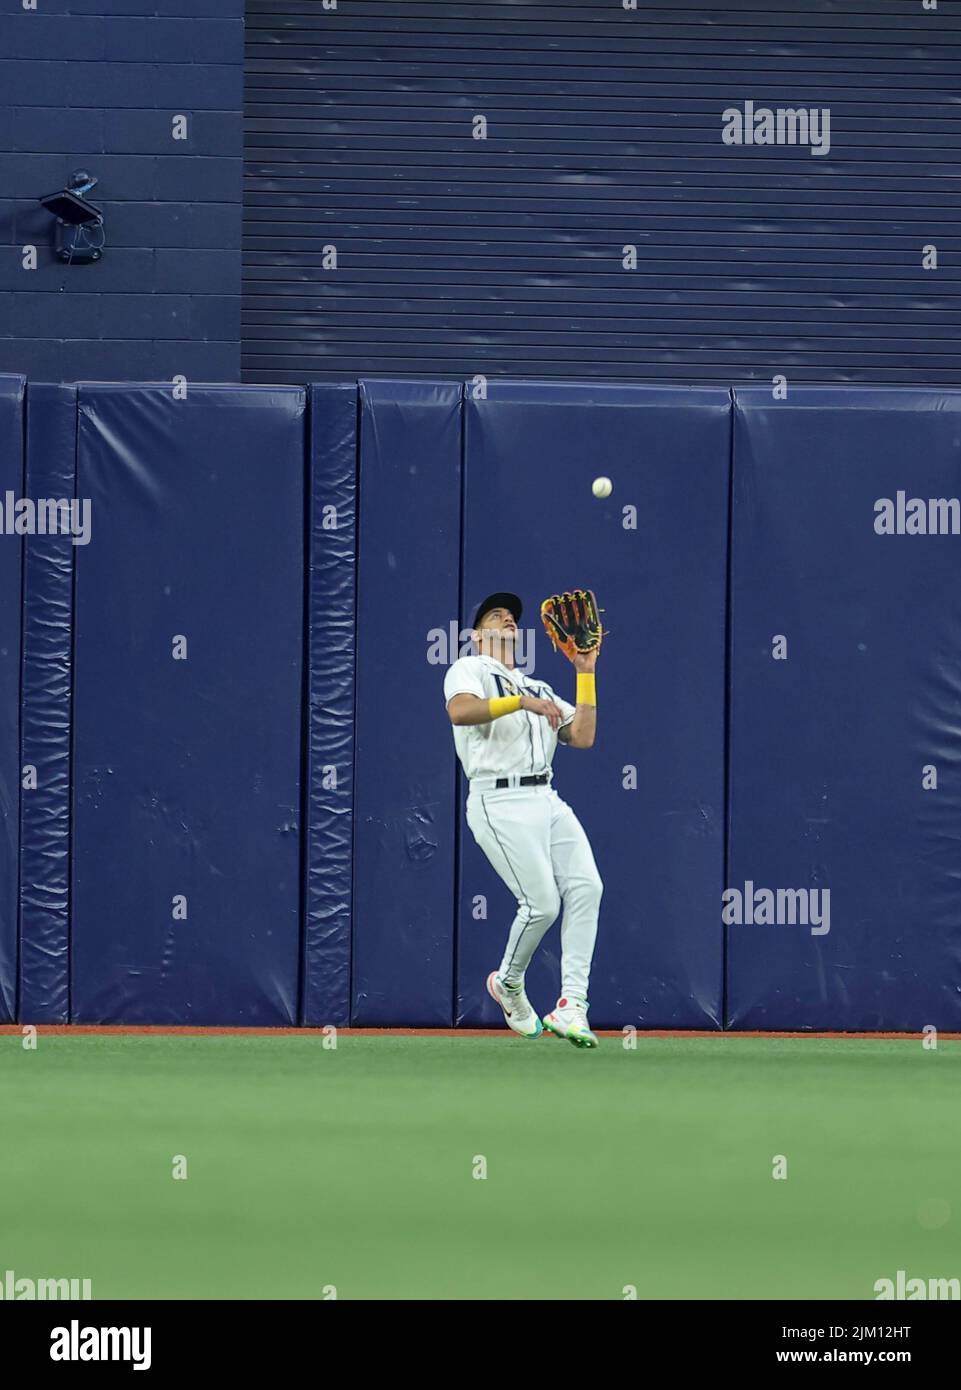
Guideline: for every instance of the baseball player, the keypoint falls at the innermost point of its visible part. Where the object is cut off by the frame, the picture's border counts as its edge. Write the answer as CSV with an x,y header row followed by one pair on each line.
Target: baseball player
x,y
506,728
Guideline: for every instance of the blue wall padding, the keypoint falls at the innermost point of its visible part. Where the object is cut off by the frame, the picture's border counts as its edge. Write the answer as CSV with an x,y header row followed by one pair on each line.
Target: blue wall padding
x,y
330,734
361,897
828,746
187,774
11,488
404,810
45,720
532,525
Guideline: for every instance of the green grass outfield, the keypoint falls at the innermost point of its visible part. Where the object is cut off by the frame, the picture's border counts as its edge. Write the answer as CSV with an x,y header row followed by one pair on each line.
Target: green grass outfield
x,y
353,1167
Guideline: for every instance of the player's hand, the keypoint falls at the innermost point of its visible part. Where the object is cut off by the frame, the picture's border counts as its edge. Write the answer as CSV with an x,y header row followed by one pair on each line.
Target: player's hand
x,y
547,708
585,661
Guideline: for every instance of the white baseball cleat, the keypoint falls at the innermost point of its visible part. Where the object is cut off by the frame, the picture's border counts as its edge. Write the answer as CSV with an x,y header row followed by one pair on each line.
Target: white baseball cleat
x,y
569,1020
517,1007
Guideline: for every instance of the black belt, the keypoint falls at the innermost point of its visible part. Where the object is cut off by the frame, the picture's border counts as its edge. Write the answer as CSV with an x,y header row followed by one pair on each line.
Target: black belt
x,y
540,780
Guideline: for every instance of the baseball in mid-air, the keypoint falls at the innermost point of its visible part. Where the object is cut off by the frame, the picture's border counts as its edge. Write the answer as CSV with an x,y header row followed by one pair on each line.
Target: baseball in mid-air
x,y
602,487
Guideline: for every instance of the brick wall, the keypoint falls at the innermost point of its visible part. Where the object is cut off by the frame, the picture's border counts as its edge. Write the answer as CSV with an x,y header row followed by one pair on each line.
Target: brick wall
x,y
96,84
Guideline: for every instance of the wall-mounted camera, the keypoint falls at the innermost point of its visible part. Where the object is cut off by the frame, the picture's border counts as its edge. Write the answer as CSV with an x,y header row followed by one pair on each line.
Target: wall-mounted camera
x,y
80,236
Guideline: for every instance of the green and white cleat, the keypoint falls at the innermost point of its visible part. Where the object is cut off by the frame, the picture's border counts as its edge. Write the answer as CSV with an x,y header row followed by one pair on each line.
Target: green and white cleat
x,y
518,1013
569,1020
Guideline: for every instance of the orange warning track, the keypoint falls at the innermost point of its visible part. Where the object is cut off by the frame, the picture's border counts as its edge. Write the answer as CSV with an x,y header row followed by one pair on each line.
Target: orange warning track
x,y
159,1030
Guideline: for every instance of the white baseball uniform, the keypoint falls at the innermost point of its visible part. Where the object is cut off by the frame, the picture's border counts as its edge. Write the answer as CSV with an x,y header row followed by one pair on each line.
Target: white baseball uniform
x,y
531,837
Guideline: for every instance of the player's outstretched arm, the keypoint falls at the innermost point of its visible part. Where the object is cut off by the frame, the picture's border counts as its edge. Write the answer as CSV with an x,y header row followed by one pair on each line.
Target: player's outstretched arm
x,y
581,730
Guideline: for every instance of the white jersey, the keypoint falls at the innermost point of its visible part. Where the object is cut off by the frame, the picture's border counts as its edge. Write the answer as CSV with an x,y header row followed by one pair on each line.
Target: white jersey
x,y
521,743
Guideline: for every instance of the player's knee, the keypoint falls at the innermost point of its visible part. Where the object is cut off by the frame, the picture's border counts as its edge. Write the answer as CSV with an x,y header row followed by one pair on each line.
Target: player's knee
x,y
587,890
545,904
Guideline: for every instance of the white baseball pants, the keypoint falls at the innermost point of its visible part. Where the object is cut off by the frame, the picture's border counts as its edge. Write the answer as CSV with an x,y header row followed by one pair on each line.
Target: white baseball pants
x,y
540,849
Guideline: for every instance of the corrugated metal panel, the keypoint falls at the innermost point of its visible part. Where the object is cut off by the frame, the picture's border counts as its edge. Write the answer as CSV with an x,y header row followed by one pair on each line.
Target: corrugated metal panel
x,y
504,256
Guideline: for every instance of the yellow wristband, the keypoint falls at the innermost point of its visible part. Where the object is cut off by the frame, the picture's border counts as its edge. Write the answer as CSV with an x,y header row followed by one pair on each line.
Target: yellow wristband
x,y
586,688
504,704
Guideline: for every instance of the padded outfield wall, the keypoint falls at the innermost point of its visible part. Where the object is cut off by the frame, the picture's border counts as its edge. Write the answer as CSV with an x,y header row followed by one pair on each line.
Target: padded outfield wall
x,y
228,787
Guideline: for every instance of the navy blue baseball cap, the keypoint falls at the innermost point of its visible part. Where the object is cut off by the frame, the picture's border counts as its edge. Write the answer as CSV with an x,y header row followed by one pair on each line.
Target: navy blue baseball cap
x,y
509,601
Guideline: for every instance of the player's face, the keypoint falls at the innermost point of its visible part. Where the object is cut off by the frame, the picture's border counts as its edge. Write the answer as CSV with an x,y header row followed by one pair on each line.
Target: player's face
x,y
497,632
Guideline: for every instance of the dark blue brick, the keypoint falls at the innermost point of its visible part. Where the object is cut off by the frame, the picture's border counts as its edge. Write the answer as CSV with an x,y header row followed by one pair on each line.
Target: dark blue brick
x,y
171,87
120,270
53,316
31,82
150,224
199,40
198,178
105,360
128,39
35,358
197,361
216,225
205,272
149,132
37,129
216,317
145,316
212,225
191,87
121,176
37,34
111,85
32,224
